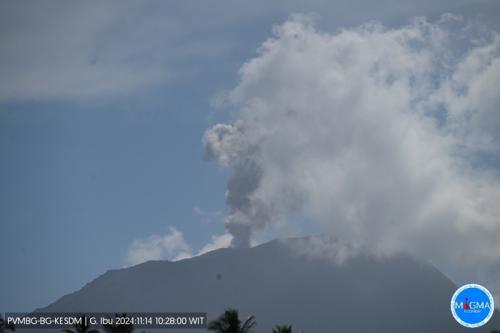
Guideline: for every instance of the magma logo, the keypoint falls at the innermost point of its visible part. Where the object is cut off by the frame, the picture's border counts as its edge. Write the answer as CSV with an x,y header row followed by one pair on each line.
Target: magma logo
x,y
472,305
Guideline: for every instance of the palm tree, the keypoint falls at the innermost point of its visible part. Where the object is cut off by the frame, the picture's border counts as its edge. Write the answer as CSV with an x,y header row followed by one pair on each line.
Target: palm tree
x,y
114,328
4,327
229,322
282,329
82,328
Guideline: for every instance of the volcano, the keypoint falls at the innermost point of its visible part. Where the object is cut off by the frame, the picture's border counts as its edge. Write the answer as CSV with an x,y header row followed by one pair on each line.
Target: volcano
x,y
279,284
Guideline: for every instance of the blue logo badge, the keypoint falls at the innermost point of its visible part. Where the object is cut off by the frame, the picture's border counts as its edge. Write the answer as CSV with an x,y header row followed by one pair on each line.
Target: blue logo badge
x,y
472,305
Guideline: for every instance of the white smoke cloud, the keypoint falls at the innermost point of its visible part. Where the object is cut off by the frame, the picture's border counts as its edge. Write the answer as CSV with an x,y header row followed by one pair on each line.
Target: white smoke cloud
x,y
171,246
217,242
381,137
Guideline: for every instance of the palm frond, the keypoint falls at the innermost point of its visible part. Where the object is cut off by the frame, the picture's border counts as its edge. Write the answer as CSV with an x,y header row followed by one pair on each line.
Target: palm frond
x,y
248,325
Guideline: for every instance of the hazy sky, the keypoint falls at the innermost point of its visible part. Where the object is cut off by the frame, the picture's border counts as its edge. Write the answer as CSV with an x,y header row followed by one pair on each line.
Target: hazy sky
x,y
104,106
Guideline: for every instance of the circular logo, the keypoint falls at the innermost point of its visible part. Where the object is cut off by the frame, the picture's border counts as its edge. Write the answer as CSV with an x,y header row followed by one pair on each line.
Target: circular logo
x,y
472,305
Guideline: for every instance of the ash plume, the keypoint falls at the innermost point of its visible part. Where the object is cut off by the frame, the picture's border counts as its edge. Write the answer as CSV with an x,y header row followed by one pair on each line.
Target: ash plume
x,y
381,137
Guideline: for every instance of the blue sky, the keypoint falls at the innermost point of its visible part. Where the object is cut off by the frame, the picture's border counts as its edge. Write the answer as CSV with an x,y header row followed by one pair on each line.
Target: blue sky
x,y
103,107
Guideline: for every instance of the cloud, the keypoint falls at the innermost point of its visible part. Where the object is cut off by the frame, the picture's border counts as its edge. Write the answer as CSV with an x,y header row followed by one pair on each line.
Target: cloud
x,y
171,246
217,242
57,50
91,49
377,136
207,217
61,50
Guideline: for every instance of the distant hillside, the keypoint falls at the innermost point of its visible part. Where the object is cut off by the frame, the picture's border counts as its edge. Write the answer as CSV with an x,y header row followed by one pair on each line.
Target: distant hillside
x,y
271,281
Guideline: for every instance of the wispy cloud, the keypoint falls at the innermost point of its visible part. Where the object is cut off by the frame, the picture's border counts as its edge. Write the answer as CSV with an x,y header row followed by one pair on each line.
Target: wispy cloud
x,y
207,216
217,242
89,49
171,246
59,50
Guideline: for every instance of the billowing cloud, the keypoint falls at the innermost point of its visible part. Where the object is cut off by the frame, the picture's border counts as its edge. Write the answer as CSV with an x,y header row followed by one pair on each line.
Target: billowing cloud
x,y
381,137
217,242
171,246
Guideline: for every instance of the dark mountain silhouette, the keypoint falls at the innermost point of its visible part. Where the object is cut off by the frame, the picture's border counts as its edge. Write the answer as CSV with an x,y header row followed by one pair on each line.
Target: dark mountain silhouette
x,y
277,285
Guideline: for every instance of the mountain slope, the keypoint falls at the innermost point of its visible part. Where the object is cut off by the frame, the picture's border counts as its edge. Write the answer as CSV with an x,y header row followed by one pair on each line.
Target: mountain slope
x,y
277,285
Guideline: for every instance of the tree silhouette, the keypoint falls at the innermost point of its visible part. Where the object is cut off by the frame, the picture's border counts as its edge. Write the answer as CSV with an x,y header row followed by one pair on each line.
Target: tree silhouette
x,y
4,327
282,329
82,328
229,322
114,328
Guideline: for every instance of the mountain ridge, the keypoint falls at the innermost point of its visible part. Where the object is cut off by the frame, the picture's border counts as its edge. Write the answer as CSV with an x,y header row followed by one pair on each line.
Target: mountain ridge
x,y
282,286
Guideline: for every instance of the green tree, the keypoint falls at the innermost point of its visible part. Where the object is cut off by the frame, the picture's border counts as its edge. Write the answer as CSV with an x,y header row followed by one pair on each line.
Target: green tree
x,y
4,327
229,322
114,328
282,329
82,328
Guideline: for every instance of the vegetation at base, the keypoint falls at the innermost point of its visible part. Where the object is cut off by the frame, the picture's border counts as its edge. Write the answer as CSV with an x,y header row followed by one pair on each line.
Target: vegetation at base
x,y
4,327
282,329
229,322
